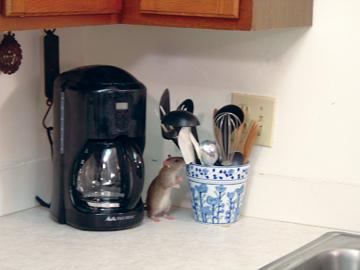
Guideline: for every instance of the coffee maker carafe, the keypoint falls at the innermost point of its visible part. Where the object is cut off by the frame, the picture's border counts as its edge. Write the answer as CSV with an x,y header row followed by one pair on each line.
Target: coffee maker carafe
x,y
99,139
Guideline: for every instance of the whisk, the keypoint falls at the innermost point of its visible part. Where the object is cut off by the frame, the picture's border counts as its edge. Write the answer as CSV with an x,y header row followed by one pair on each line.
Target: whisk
x,y
227,128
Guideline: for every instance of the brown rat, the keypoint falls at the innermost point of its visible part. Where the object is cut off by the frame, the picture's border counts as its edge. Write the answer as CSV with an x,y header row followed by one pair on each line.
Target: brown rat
x,y
158,195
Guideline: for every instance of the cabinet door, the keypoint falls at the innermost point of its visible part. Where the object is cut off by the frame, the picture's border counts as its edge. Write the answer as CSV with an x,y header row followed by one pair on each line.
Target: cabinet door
x,y
60,7
201,8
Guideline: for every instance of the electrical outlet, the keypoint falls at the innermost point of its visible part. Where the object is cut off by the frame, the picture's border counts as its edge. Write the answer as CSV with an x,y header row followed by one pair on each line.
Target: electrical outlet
x,y
261,109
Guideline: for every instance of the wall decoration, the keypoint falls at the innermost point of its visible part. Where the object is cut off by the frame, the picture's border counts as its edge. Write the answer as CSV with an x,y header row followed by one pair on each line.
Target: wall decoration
x,y
10,54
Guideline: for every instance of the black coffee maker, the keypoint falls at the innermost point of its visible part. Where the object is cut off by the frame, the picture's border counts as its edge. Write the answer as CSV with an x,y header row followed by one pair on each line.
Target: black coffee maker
x,y
99,139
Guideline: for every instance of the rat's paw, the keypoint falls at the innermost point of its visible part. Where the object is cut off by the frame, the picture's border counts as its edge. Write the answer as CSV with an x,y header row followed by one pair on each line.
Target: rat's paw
x,y
169,217
155,219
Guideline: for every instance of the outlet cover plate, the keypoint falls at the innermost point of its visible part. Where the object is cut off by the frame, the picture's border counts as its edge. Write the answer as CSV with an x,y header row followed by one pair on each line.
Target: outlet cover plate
x,y
259,108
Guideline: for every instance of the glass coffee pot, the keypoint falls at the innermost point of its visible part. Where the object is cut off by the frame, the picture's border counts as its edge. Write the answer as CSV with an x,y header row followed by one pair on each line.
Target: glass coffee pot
x,y
109,175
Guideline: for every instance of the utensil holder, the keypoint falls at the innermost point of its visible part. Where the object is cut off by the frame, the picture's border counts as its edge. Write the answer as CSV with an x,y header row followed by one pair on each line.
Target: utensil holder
x,y
217,192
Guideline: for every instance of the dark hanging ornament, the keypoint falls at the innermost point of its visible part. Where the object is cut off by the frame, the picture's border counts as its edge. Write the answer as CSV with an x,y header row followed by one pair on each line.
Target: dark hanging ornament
x,y
10,54
51,62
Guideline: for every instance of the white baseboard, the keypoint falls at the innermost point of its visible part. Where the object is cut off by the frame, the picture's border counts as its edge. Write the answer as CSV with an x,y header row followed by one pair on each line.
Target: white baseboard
x,y
20,184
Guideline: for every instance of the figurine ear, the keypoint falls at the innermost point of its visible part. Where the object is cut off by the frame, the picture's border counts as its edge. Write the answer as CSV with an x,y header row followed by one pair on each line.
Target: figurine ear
x,y
167,164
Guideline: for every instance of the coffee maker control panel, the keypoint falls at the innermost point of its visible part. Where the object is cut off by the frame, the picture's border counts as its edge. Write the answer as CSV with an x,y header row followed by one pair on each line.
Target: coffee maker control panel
x,y
122,116
122,106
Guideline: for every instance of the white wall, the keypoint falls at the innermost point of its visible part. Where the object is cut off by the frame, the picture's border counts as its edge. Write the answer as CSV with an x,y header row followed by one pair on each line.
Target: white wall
x,y
311,174
24,154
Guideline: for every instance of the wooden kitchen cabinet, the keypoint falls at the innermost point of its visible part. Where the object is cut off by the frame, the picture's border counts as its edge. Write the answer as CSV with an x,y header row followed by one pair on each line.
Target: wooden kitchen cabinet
x,y
34,14
212,14
60,7
200,8
219,14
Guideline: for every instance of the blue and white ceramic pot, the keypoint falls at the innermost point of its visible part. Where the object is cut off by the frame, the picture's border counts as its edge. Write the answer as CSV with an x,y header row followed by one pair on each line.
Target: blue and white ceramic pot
x,y
217,192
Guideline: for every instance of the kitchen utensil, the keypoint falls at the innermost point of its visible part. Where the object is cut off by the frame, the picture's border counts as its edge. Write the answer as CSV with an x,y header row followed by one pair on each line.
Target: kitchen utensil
x,y
172,122
250,140
246,126
237,138
168,133
232,109
185,145
196,146
216,131
218,139
228,127
226,132
164,108
164,104
245,135
238,159
179,119
186,105
208,153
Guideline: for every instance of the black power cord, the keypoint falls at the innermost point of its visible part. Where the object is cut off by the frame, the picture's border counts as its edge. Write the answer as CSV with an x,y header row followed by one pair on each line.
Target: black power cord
x,y
47,128
42,202
49,135
51,70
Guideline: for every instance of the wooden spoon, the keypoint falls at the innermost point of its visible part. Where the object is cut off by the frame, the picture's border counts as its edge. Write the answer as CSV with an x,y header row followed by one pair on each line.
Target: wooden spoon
x,y
250,140
237,138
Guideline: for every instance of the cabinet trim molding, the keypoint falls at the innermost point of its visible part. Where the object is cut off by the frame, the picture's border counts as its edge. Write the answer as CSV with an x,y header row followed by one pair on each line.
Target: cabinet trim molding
x,y
199,8
25,8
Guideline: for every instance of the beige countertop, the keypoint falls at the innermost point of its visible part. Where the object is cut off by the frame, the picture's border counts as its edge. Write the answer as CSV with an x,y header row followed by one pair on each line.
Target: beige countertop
x,y
32,240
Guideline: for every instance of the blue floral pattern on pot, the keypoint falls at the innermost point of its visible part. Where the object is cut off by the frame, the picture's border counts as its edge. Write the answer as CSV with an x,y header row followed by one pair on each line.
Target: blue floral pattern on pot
x,y
217,201
218,172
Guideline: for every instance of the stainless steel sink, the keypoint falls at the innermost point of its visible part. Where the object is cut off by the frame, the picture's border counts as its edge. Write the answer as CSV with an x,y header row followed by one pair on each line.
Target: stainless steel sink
x,y
332,251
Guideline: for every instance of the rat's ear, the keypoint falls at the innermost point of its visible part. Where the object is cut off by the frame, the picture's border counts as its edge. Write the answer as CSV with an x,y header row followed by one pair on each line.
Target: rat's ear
x,y
166,163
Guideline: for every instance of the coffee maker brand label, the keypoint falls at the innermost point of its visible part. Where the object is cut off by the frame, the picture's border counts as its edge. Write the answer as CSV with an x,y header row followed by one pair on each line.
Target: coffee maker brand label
x,y
121,218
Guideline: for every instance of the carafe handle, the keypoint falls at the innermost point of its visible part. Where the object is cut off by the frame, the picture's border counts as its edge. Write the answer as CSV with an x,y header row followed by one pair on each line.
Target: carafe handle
x,y
133,161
